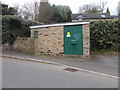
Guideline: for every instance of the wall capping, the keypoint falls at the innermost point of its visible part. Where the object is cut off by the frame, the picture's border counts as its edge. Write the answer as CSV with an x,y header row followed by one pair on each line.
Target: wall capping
x,y
59,24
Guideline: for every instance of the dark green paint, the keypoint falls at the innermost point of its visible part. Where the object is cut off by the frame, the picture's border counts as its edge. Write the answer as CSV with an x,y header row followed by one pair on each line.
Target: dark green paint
x,y
36,34
73,44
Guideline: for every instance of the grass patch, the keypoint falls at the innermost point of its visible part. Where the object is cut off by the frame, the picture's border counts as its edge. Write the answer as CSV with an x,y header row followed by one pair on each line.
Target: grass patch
x,y
104,51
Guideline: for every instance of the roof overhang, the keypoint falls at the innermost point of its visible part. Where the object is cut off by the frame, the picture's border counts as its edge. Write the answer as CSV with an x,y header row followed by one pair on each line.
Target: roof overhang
x,y
59,24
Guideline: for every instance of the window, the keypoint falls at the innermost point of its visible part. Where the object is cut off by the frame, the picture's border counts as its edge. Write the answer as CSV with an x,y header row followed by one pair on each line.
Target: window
x,y
35,34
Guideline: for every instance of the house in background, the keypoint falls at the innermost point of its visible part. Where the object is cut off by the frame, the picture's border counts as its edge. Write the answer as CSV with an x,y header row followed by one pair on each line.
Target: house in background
x,y
91,16
115,16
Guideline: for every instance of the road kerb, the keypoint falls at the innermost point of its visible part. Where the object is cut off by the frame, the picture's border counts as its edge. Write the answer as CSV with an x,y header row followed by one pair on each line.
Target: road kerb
x,y
54,63
29,59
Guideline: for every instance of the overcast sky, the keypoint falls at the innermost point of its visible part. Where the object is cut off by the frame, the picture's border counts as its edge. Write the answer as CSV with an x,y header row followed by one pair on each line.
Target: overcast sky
x,y
74,4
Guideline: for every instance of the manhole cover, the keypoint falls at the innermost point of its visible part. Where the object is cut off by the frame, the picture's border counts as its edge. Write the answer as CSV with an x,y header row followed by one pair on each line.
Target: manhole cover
x,y
71,69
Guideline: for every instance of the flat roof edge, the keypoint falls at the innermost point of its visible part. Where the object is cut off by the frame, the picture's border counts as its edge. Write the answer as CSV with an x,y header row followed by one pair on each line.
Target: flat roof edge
x,y
59,24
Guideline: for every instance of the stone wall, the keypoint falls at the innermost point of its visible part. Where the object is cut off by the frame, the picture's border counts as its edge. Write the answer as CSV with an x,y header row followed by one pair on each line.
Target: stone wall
x,y
86,39
24,44
6,47
50,40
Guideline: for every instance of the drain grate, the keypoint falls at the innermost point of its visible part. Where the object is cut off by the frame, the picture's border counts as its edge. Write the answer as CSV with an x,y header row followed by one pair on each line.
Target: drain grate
x,y
71,69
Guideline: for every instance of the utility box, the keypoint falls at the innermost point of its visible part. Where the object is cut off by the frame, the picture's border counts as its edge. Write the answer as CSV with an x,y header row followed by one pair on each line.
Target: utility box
x,y
74,43
62,38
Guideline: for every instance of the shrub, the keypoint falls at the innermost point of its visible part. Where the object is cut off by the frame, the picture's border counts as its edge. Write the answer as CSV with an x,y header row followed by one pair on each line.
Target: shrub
x,y
15,26
104,34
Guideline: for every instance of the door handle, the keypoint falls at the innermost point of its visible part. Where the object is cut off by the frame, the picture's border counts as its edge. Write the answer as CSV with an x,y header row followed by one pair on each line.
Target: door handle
x,y
73,42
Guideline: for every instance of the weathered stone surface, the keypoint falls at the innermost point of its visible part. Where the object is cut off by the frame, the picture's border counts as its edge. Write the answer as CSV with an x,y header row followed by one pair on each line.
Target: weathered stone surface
x,y
6,46
25,44
50,40
86,40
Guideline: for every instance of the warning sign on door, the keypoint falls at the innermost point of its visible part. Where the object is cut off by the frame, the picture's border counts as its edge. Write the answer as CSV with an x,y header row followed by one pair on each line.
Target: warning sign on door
x,y
68,34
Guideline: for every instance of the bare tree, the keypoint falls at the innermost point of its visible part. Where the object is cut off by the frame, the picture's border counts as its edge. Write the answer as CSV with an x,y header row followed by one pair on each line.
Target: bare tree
x,y
84,8
28,10
81,10
118,8
89,8
17,7
102,5
93,8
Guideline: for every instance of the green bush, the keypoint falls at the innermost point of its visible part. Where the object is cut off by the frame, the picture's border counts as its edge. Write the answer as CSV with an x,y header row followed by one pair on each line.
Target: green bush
x,y
104,34
14,26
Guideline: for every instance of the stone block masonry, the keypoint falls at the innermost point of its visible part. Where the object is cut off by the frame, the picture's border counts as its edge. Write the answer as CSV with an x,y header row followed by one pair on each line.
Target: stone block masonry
x,y
86,39
50,40
24,44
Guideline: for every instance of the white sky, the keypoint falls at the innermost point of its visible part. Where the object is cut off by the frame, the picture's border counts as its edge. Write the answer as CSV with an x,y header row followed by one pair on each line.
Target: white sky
x,y
74,4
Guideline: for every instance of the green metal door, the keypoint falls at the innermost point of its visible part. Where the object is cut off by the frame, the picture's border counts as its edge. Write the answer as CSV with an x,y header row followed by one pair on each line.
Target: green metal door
x,y
73,40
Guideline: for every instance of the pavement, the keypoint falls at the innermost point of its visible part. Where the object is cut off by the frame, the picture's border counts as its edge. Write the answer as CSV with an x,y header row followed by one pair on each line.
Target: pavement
x,y
105,65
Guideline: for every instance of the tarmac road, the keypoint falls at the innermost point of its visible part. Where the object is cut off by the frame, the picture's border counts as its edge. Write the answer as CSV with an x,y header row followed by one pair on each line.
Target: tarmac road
x,y
102,64
27,74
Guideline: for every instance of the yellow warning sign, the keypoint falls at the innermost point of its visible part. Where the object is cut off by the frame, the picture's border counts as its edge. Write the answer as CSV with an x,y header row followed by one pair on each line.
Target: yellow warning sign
x,y
68,34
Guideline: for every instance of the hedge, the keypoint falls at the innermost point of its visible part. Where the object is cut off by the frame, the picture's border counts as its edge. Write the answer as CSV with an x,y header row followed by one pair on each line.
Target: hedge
x,y
104,34
15,26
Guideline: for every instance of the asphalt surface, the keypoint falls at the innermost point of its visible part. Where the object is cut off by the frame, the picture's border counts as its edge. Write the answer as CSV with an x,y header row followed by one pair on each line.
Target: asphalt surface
x,y
26,74
102,64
